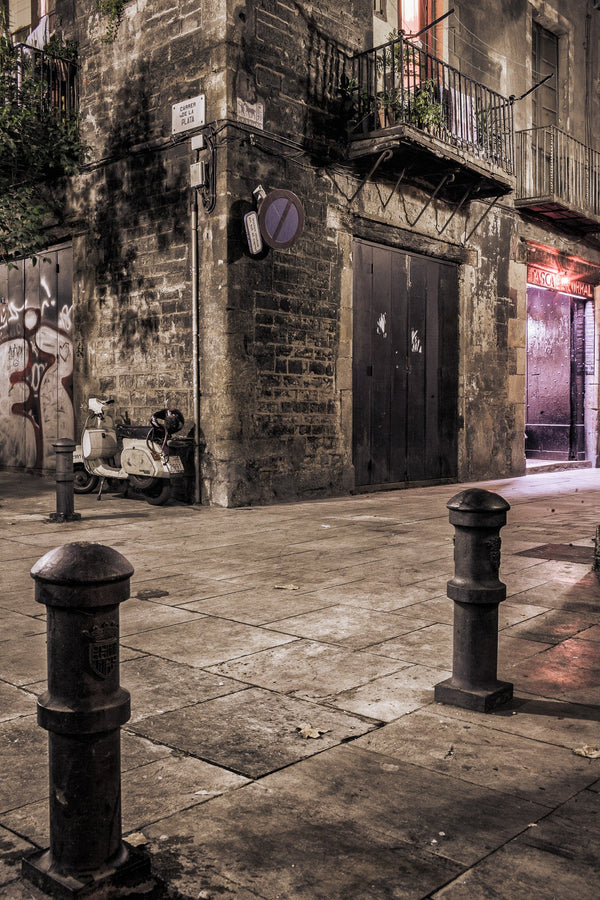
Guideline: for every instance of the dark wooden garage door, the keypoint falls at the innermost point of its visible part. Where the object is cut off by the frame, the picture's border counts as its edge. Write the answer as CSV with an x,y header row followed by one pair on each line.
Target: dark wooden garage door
x,y
405,367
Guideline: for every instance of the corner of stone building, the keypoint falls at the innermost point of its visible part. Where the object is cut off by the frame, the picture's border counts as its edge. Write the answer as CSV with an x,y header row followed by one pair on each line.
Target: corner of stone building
x,y
517,350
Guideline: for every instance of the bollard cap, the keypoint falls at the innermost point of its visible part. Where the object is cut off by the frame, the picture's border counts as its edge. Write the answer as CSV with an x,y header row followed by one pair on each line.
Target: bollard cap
x,y
477,500
64,444
82,574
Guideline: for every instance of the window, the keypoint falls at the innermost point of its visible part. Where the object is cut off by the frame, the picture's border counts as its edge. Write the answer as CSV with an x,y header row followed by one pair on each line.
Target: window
x,y
410,14
415,15
545,62
24,15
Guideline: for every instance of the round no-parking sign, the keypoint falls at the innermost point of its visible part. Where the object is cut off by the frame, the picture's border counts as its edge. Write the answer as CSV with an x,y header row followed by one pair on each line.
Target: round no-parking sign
x,y
281,219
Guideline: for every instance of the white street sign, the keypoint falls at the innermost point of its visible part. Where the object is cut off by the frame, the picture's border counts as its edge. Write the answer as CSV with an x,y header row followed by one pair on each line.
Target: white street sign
x,y
188,114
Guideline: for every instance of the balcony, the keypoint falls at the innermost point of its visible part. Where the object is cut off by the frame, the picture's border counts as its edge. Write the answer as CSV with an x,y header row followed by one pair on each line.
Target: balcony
x,y
438,123
46,80
39,89
558,180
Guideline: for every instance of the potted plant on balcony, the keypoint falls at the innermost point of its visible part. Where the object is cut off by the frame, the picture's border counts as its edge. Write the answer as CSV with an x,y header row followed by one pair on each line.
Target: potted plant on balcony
x,y
388,107
424,109
357,106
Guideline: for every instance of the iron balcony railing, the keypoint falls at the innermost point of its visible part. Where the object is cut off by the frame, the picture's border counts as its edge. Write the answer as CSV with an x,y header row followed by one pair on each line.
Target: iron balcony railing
x,y
399,83
47,79
554,168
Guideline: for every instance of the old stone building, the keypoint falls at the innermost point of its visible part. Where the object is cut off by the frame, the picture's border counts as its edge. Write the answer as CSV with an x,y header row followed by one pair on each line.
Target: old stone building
x,y
414,302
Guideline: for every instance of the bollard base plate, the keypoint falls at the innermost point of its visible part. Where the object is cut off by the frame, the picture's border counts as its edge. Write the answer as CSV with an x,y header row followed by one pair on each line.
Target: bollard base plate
x,y
131,868
481,700
64,517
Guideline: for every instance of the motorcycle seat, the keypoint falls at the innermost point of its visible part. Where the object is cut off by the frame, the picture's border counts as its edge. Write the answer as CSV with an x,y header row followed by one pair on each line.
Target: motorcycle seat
x,y
134,431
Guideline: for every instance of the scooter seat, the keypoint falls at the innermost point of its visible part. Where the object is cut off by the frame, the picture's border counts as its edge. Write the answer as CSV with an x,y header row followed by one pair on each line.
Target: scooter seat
x,y
134,431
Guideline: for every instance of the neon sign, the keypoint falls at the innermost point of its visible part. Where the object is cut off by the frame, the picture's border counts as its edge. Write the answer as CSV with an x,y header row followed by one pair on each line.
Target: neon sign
x,y
558,281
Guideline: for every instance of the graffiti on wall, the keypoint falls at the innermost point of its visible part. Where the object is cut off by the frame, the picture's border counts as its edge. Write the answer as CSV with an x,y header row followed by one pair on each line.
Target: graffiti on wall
x,y
36,361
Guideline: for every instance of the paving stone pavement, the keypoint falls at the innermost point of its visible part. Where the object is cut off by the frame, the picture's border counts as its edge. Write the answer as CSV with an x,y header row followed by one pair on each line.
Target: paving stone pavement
x,y
247,626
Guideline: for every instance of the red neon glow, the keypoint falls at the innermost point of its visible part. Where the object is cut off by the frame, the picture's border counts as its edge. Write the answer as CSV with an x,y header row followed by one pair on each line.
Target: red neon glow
x,y
555,280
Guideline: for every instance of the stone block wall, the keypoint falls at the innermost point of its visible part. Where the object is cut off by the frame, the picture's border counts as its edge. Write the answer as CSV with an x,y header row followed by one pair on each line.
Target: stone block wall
x,y
129,211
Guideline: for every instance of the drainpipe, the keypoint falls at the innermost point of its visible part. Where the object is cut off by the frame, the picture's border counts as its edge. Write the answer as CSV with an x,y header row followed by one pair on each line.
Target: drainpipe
x,y
195,340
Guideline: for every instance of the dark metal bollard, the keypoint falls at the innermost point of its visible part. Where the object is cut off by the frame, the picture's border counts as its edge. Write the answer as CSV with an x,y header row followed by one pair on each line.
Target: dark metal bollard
x,y
477,516
65,495
81,586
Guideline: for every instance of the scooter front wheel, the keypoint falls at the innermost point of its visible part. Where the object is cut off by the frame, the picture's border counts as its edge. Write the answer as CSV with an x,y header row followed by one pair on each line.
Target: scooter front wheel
x,y
83,481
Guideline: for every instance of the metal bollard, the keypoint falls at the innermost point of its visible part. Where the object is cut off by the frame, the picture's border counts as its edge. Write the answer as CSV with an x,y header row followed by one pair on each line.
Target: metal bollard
x,y
477,516
65,496
82,585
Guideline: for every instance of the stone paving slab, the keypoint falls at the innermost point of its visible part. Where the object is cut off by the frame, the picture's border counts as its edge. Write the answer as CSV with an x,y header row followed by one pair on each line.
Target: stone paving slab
x,y
308,669
307,579
137,616
150,792
590,634
555,722
581,596
14,702
159,685
552,626
400,575
21,601
176,589
252,732
23,763
480,754
348,626
260,607
393,830
205,641
31,818
391,696
434,642
24,659
571,674
384,596
13,848
17,625
293,855
557,858
440,610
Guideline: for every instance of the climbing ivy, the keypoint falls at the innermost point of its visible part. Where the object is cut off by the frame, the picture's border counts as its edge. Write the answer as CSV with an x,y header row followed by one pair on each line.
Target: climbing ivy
x,y
38,144
113,10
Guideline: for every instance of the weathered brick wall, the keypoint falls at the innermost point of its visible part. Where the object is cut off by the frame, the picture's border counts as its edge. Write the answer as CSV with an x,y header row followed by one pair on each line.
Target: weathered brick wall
x,y
278,400
130,209
493,409
287,306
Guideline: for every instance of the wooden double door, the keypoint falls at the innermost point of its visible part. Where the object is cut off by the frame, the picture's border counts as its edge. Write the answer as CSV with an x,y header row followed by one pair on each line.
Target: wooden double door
x,y
405,367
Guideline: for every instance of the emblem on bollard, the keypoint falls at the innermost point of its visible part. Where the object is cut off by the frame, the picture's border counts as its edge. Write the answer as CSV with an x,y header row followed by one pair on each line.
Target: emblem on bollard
x,y
494,545
103,652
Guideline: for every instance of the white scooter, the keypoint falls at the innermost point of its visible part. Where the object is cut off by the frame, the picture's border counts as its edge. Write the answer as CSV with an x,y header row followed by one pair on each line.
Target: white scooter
x,y
144,456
